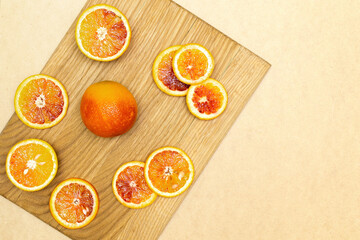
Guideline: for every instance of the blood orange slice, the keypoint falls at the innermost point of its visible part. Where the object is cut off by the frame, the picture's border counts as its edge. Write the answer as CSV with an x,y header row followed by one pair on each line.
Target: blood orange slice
x,y
74,203
41,101
164,76
130,188
169,171
193,64
103,33
207,100
31,164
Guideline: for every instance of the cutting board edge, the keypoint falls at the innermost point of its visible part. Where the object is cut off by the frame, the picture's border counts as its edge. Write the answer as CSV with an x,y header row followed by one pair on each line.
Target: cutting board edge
x,y
226,35
214,150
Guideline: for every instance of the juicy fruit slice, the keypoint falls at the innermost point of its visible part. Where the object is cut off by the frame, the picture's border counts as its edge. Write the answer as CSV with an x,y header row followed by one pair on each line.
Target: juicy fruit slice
x,y
41,101
103,33
31,164
130,187
164,76
193,64
207,100
169,171
74,203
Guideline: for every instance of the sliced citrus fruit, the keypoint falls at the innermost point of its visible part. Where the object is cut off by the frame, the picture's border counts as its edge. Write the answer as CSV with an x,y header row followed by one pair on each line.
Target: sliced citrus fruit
x,y
207,100
193,63
41,101
31,164
74,203
169,171
164,76
103,33
130,188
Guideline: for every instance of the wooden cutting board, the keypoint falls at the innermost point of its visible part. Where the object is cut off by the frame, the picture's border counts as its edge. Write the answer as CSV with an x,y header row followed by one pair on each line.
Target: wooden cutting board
x,y
162,119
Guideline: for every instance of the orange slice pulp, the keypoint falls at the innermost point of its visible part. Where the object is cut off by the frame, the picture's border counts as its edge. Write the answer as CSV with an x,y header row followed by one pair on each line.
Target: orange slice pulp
x,y
41,101
169,171
31,164
164,76
130,188
193,64
74,203
103,33
207,100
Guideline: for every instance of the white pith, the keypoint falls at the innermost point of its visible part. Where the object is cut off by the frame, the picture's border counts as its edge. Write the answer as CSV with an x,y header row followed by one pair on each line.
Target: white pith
x,y
76,201
32,163
101,33
132,184
40,101
203,99
168,171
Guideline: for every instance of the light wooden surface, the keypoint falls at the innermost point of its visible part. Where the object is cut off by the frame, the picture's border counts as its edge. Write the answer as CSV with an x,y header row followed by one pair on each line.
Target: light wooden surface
x,y
162,120
290,161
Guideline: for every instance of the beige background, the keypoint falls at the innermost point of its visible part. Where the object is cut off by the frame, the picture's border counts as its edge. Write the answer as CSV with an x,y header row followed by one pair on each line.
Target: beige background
x,y
289,168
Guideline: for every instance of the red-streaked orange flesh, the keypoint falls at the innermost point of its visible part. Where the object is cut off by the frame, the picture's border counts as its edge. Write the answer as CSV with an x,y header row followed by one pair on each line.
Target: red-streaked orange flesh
x,y
192,64
207,98
169,171
22,170
74,203
131,185
41,101
166,74
103,33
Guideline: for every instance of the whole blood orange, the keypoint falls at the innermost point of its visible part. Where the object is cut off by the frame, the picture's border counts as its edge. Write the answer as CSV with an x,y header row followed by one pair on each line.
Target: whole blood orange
x,y
108,109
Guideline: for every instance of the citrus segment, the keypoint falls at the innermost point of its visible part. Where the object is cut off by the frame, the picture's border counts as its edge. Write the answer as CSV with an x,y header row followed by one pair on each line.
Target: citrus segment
x,y
193,64
130,188
103,33
169,171
207,100
74,203
31,164
41,101
164,76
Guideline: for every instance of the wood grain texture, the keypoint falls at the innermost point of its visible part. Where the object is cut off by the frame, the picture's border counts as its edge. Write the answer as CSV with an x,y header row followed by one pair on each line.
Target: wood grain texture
x,y
162,119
